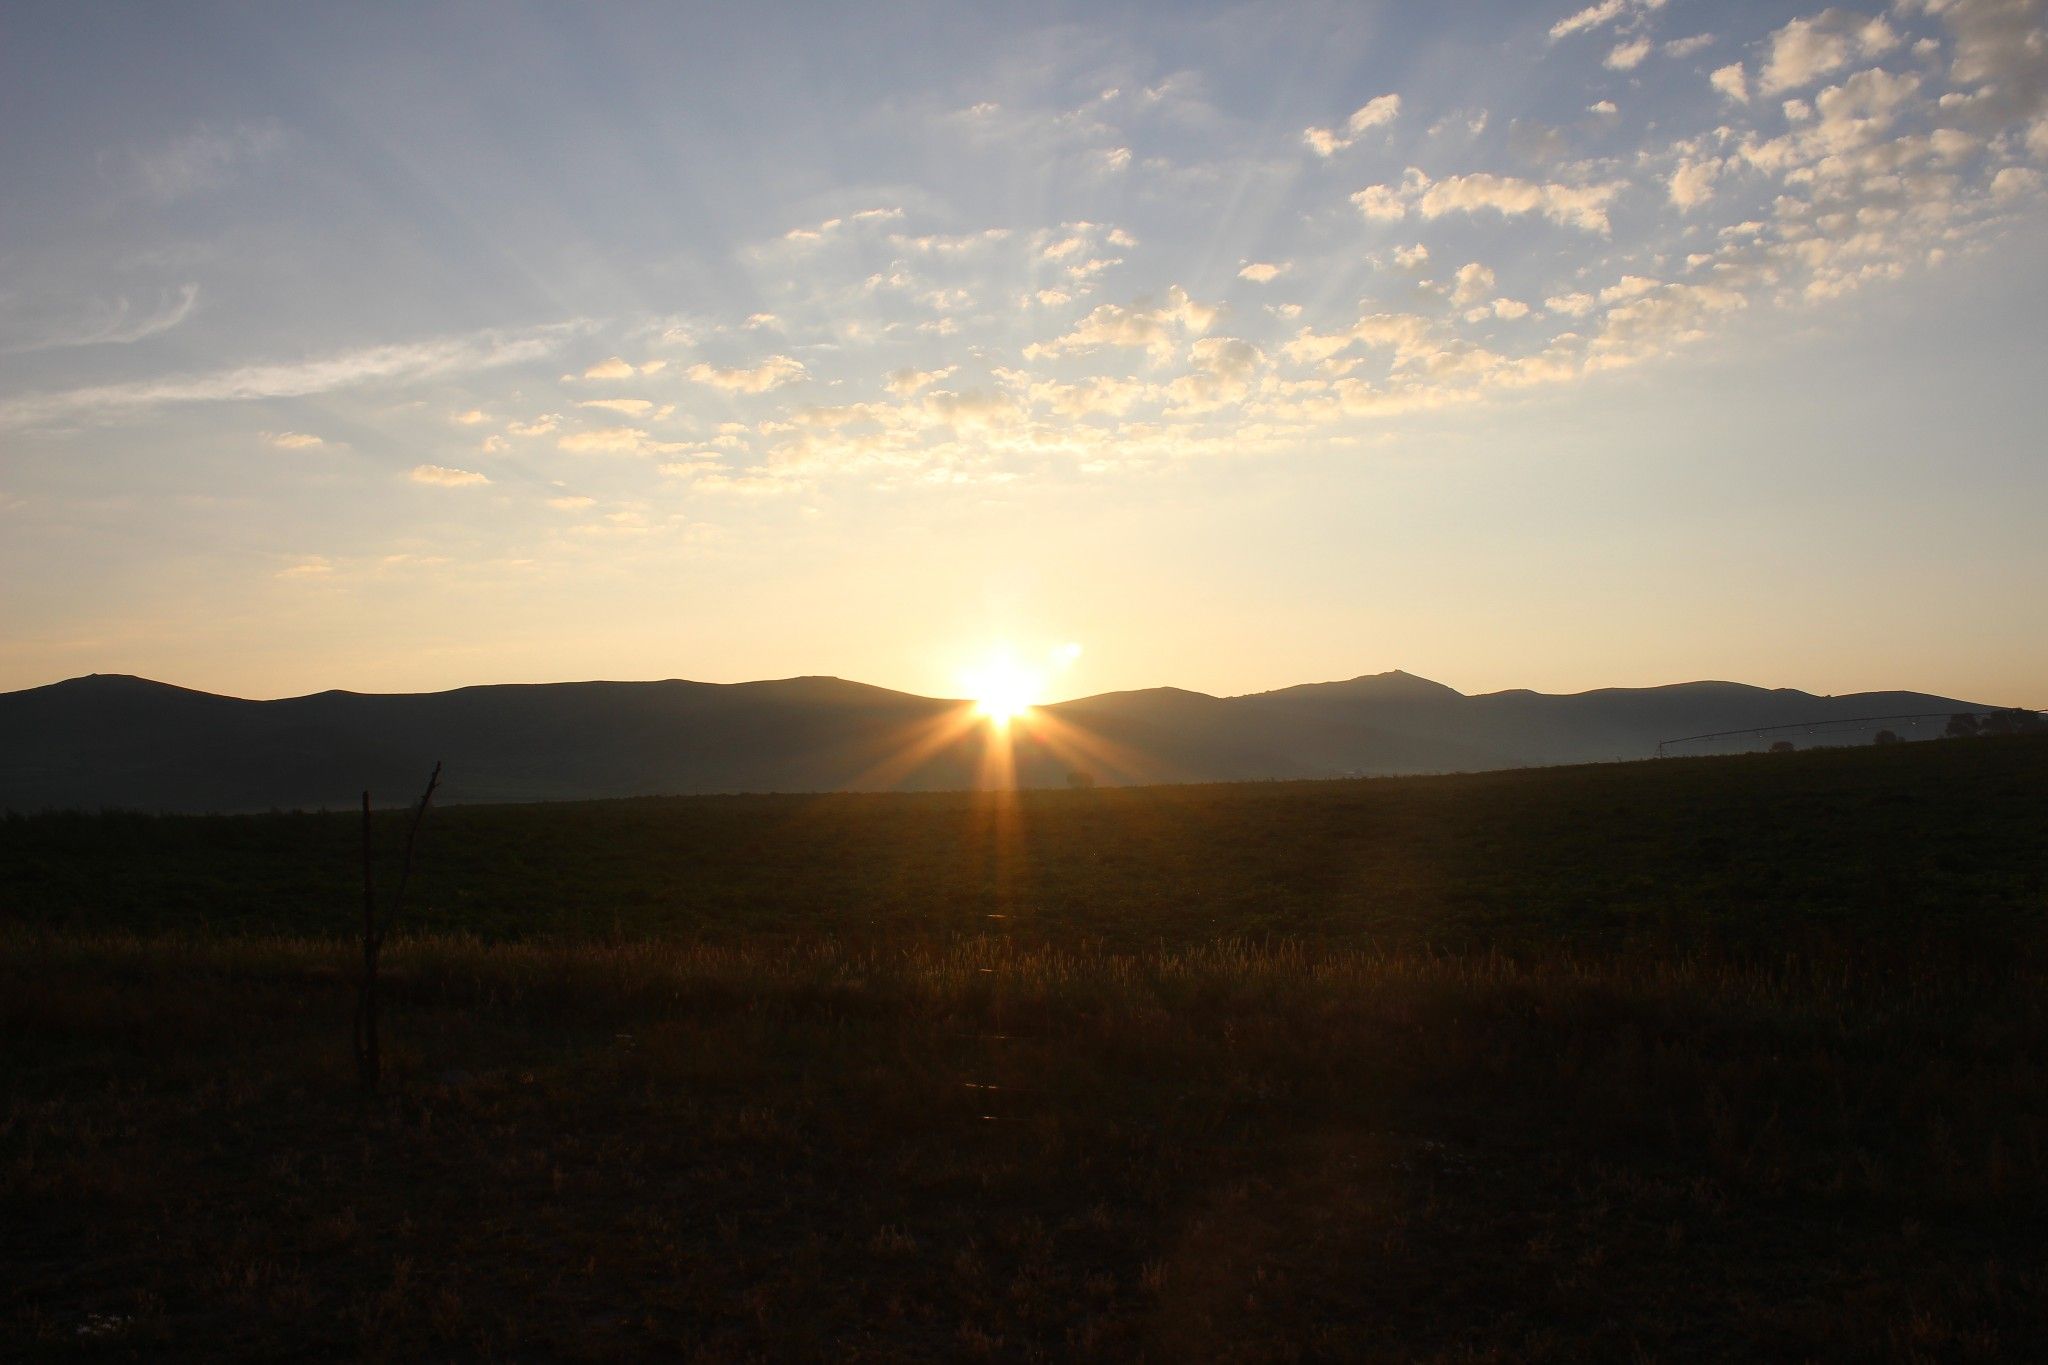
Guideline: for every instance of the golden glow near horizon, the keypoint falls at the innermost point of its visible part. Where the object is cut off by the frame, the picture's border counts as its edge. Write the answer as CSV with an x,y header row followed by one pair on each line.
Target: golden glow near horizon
x,y
1005,688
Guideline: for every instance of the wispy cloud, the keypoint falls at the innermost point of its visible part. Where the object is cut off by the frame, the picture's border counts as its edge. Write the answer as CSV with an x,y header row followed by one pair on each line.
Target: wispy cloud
x,y
202,158
399,361
119,321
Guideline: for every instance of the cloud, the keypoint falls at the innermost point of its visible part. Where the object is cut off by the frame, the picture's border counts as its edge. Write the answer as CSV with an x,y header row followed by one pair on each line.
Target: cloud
x,y
1382,202
805,236
1591,17
1604,108
940,244
1692,184
771,373
1474,282
1580,206
317,566
203,158
441,476
1731,82
1685,47
1627,56
616,367
293,440
404,361
1377,112
906,382
1806,49
2015,182
571,503
631,407
616,441
1263,272
119,323
1157,330
470,418
1221,373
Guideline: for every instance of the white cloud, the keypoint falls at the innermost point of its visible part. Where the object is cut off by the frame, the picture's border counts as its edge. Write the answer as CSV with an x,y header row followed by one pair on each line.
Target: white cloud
x,y
441,476
1157,330
1382,202
571,503
905,383
818,232
539,426
616,441
1474,282
1377,112
1580,206
1685,47
631,407
1806,49
2015,182
1263,272
1221,370
1692,184
1627,56
293,440
1591,17
470,417
1731,81
1604,108
771,373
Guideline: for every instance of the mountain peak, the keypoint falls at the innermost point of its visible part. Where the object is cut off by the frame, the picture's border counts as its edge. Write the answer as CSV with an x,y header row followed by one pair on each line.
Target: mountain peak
x,y
1393,685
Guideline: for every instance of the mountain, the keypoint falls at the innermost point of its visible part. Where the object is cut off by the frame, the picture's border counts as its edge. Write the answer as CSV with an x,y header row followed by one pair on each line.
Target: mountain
x,y
118,741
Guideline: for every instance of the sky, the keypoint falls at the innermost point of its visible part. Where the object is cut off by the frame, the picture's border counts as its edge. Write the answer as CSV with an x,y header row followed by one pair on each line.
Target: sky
x,y
1220,346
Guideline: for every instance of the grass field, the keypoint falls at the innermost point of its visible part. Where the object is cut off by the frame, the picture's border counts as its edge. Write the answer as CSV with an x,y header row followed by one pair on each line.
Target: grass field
x,y
1710,1059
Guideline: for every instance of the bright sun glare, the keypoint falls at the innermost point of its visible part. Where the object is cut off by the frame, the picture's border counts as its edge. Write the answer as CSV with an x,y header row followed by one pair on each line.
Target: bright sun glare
x,y
1004,688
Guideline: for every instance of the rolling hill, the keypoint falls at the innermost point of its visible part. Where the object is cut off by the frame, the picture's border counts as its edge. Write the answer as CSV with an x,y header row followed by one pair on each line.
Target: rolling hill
x,y
120,741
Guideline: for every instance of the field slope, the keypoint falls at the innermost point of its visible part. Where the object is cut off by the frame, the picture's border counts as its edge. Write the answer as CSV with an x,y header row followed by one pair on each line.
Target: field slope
x,y
1699,1060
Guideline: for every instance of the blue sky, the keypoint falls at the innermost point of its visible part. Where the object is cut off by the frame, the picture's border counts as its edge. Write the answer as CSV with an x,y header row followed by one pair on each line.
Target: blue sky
x,y
1240,345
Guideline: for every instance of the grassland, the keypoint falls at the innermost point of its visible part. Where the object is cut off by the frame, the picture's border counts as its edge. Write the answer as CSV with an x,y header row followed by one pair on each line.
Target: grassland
x,y
1711,1059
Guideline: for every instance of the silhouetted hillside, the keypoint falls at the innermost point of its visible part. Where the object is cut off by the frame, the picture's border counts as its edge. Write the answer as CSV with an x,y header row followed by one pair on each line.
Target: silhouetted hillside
x,y
129,742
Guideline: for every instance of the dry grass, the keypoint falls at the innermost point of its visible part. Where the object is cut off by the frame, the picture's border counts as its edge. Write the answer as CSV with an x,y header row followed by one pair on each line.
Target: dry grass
x,y
975,1148
1691,1061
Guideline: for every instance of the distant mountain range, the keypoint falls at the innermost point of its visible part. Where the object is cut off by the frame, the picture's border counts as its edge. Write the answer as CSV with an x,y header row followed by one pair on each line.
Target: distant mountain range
x,y
119,741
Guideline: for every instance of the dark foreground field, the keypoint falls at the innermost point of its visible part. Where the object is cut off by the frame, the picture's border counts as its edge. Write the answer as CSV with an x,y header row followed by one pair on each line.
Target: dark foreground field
x,y
1697,1060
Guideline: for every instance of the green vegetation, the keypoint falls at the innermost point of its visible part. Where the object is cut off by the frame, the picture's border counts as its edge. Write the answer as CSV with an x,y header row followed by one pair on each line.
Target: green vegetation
x,y
1693,1060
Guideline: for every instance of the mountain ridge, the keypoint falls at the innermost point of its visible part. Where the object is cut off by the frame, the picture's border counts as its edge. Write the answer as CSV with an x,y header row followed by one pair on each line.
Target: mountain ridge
x,y
120,740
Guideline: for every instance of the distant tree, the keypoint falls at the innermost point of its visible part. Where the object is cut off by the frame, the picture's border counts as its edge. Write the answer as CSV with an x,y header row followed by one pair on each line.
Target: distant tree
x,y
2013,722
1962,725
1784,746
1885,737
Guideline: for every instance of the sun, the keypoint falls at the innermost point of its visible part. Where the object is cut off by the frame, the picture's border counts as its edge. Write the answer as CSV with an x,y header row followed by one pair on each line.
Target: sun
x,y
1003,691
1006,689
